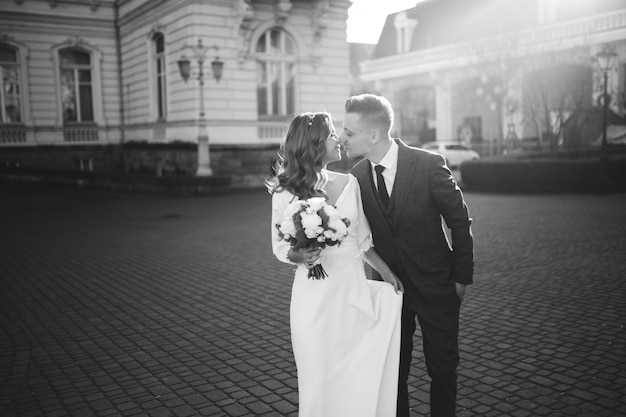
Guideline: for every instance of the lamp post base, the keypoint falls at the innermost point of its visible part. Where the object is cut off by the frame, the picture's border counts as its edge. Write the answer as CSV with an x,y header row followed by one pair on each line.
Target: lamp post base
x,y
204,172
204,160
604,166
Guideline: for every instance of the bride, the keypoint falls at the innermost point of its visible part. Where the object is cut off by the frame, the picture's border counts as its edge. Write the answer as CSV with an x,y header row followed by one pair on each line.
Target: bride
x,y
345,329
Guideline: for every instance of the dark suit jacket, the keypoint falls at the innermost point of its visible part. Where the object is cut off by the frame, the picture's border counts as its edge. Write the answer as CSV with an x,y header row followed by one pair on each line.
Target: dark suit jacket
x,y
409,234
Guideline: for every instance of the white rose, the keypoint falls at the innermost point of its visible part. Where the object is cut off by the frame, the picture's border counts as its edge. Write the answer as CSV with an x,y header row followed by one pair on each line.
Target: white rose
x,y
331,211
338,225
310,224
316,203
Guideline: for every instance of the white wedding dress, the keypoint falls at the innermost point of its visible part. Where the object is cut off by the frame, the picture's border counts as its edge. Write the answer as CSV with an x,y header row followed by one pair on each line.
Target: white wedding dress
x,y
345,329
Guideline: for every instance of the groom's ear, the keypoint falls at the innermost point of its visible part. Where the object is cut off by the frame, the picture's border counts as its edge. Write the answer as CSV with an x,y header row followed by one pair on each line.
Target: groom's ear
x,y
375,136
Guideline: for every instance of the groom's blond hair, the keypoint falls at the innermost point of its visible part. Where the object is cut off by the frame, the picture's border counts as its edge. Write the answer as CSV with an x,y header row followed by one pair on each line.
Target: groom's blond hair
x,y
374,110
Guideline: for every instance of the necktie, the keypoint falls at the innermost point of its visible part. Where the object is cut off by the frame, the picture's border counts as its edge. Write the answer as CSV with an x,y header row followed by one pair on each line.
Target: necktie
x,y
382,188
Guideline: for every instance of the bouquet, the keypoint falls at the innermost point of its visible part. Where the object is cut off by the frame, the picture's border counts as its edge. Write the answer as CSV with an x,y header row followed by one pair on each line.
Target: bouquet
x,y
312,223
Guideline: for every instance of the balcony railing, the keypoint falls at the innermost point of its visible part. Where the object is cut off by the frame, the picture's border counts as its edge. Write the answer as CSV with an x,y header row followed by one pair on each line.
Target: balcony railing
x,y
271,130
80,134
12,135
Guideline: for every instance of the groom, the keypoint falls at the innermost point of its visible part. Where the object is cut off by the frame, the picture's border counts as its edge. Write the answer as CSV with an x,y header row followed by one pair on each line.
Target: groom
x,y
406,192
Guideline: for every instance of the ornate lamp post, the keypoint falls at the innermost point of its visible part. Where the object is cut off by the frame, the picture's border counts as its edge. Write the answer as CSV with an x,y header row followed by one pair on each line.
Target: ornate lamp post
x,y
184,65
605,59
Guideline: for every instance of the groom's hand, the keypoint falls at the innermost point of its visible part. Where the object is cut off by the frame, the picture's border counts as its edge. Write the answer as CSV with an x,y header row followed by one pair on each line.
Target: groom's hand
x,y
460,290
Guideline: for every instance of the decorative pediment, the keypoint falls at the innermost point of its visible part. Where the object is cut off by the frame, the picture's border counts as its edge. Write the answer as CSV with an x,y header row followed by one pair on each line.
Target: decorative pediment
x,y
321,19
243,12
75,41
156,27
321,16
5,37
282,10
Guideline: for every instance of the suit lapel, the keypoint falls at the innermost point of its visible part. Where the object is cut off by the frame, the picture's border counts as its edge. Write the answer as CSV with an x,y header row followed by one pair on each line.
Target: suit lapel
x,y
362,173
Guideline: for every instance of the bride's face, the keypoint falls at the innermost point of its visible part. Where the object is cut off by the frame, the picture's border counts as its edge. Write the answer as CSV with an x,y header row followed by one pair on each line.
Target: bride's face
x,y
333,147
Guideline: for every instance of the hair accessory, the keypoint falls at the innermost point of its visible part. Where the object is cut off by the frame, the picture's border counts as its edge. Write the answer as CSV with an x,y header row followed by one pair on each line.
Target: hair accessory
x,y
311,120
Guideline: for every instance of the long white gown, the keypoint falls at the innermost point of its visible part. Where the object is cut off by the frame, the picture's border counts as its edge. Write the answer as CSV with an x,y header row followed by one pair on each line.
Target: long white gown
x,y
345,329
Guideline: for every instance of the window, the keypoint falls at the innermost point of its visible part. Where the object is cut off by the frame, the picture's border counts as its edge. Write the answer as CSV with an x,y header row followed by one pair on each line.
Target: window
x,y
405,27
621,86
456,148
76,86
471,130
10,95
158,43
276,73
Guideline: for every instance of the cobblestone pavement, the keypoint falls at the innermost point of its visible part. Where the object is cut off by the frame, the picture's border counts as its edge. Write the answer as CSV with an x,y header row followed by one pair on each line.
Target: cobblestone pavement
x,y
126,305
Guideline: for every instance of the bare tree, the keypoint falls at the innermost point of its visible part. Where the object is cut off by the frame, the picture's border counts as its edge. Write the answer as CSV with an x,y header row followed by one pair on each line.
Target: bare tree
x,y
545,87
556,87
496,63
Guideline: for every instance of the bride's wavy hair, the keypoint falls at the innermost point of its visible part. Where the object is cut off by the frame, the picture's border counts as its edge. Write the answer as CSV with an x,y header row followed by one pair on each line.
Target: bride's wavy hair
x,y
298,164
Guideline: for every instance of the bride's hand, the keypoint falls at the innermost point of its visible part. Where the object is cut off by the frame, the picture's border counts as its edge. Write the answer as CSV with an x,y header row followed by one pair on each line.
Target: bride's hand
x,y
391,278
306,256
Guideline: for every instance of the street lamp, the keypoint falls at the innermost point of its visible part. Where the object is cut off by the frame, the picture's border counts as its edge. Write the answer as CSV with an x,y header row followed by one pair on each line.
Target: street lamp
x,y
184,65
605,60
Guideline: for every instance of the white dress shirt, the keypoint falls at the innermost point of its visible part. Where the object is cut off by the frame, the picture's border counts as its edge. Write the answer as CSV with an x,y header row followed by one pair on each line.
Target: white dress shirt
x,y
390,162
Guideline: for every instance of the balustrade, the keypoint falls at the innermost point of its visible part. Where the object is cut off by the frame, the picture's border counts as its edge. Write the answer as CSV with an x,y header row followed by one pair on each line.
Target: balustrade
x,y
80,134
12,135
271,130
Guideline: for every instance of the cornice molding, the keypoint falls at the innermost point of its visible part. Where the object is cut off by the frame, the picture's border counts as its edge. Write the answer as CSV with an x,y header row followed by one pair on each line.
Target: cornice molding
x,y
67,22
594,30
93,4
149,8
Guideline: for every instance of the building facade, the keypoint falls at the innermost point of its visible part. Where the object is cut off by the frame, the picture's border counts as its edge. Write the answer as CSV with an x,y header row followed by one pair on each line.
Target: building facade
x,y
502,74
83,79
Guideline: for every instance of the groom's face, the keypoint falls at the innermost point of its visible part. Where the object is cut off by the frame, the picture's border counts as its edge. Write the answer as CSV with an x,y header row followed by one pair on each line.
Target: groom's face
x,y
356,137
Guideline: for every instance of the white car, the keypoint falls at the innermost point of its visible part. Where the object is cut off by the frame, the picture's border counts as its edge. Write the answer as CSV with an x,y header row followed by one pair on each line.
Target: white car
x,y
454,152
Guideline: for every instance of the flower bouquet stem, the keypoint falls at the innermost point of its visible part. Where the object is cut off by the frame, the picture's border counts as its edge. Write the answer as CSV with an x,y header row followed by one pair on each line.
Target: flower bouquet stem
x,y
317,272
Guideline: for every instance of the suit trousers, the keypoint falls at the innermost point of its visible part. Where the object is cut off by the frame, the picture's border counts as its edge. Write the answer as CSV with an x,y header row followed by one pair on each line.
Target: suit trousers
x,y
440,338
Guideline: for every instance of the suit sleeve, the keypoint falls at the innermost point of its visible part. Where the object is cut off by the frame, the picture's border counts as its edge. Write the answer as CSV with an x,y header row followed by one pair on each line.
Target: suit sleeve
x,y
363,231
279,247
448,199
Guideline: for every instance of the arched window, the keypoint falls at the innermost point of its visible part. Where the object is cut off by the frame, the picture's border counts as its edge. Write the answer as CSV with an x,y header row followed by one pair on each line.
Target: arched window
x,y
158,51
10,94
76,86
276,63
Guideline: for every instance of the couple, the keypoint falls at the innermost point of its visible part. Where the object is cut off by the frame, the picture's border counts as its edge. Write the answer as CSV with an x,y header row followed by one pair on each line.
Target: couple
x,y
352,337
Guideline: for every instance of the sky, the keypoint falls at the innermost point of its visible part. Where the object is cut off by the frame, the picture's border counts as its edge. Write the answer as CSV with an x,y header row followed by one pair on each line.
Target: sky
x,y
367,17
